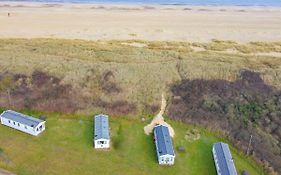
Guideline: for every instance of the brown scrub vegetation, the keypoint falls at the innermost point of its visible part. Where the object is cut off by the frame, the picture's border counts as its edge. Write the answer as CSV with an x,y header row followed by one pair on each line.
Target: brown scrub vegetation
x,y
239,109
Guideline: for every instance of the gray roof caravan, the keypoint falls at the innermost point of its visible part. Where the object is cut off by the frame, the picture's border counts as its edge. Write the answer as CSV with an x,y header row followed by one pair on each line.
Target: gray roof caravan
x,y
223,159
164,145
101,131
24,123
21,118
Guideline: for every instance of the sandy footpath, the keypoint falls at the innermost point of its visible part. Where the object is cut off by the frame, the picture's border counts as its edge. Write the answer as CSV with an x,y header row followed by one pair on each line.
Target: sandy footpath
x,y
159,120
106,22
4,172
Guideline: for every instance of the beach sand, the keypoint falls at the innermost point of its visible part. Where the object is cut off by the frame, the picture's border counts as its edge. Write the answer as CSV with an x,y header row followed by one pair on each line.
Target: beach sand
x,y
141,22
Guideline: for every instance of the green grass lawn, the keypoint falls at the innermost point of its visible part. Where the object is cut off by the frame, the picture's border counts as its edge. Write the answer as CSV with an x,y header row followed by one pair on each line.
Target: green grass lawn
x,y
66,147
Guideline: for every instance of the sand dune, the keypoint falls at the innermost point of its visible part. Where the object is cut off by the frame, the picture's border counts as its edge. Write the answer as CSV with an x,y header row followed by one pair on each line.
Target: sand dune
x,y
144,22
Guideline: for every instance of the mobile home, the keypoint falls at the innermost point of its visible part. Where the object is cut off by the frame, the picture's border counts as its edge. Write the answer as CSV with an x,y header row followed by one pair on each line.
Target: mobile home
x,y
223,159
22,122
164,145
101,132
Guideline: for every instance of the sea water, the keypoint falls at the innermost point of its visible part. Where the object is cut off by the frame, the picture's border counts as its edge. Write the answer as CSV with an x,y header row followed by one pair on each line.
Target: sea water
x,y
169,2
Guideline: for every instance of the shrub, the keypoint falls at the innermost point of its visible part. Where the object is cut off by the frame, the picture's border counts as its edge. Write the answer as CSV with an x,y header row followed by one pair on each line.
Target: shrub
x,y
240,108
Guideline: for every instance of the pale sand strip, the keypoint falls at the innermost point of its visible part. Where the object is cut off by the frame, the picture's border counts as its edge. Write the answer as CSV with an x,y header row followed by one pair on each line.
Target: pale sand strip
x,y
159,120
107,22
4,172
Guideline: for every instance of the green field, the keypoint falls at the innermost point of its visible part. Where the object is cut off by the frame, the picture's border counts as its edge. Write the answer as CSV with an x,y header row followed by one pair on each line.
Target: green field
x,y
66,148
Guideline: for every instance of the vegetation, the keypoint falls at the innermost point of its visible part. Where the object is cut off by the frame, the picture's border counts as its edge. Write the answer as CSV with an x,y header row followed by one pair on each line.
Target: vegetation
x,y
243,108
252,47
67,146
127,78
113,71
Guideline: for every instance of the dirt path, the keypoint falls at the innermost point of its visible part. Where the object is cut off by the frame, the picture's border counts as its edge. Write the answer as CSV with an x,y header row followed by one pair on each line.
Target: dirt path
x,y
4,172
159,120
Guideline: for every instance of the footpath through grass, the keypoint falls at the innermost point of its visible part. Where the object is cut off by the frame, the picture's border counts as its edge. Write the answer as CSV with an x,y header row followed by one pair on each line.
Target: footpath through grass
x,y
66,147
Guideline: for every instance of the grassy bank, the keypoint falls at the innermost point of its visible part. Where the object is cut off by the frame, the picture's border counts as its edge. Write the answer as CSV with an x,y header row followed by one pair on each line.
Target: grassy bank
x,y
142,72
128,77
66,147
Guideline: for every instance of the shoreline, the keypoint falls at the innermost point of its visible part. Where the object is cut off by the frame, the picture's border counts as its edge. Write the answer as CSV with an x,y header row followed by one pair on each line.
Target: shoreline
x,y
87,4
143,3
139,22
12,5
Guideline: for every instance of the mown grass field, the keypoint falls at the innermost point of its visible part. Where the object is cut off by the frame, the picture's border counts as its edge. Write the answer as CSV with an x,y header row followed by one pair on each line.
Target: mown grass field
x,y
66,148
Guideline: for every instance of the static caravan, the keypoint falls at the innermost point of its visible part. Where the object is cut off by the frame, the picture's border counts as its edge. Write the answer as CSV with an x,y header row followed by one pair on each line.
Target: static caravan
x,y
101,132
22,122
223,159
164,145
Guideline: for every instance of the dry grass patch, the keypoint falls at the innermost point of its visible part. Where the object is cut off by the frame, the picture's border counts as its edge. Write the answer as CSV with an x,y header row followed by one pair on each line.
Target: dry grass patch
x,y
140,73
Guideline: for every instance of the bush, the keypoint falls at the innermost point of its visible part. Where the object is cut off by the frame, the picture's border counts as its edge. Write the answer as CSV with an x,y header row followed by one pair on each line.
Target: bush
x,y
241,108
245,173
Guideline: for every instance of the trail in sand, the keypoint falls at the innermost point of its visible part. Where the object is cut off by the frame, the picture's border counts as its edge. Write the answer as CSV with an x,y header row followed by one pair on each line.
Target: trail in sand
x,y
4,172
159,120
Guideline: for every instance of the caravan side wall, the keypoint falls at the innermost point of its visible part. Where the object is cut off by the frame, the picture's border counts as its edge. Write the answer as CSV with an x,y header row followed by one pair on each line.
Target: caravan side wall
x,y
18,126
216,161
